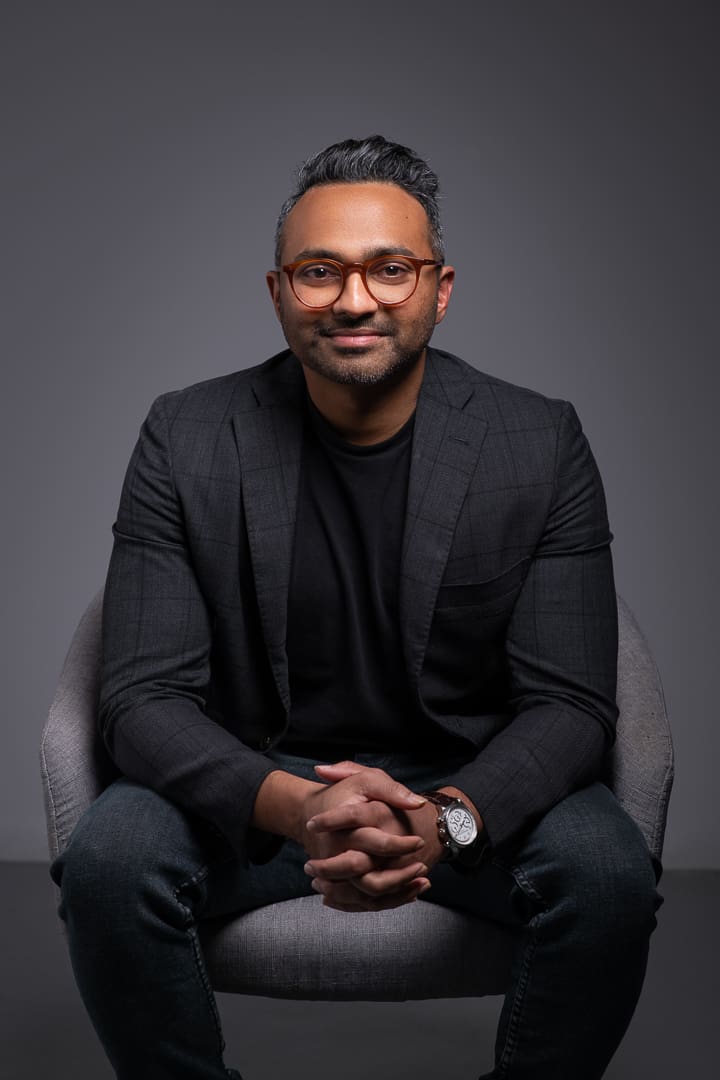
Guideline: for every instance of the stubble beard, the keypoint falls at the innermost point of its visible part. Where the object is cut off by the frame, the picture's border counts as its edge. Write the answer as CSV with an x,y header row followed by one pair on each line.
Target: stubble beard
x,y
352,368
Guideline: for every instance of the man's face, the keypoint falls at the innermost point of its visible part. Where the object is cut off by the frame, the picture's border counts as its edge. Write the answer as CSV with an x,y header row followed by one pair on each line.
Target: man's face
x,y
358,340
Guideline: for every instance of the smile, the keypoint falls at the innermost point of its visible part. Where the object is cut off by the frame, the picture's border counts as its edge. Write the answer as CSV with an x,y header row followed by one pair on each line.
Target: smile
x,y
349,339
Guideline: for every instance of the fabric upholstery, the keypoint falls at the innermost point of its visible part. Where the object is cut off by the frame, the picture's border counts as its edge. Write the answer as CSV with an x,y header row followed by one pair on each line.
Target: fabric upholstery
x,y
299,949
640,771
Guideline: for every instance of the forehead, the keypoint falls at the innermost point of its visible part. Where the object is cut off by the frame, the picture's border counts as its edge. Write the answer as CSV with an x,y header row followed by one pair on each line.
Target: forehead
x,y
353,219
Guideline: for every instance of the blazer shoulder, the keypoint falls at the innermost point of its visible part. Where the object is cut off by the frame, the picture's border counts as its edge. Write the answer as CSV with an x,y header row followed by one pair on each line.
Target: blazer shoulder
x,y
214,399
502,403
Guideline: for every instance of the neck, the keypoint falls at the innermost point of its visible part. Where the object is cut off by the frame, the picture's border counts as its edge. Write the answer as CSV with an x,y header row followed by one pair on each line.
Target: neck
x,y
366,414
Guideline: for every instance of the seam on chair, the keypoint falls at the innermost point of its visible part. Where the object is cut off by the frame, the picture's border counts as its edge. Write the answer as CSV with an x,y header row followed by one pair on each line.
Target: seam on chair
x,y
51,797
662,811
669,774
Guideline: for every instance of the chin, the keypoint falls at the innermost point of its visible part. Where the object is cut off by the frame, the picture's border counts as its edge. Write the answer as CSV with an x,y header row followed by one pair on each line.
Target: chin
x,y
359,370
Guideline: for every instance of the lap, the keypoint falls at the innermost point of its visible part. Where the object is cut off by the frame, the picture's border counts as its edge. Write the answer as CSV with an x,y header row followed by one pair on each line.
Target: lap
x,y
584,840
131,833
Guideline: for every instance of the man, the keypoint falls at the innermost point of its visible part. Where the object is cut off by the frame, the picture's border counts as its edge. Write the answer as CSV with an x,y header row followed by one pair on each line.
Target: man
x,y
360,570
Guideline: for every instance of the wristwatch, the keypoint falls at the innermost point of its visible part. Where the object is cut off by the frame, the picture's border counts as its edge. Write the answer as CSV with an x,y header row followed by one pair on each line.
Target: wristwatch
x,y
466,846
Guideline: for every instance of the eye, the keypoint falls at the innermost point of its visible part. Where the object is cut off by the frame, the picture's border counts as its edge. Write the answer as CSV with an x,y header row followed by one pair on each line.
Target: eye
x,y
391,271
318,273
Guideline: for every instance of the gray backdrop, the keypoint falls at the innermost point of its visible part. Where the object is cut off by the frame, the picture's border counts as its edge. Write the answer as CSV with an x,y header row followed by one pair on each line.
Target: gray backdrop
x,y
146,148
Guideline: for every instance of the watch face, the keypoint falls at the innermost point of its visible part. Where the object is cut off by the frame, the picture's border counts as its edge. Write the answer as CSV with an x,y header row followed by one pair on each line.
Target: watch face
x,y
461,825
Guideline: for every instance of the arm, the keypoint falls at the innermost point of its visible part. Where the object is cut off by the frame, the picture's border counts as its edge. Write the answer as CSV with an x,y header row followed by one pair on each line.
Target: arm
x,y
157,634
561,649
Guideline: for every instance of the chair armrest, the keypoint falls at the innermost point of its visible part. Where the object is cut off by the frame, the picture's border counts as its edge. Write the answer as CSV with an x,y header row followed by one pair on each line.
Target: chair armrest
x,y
641,763
74,764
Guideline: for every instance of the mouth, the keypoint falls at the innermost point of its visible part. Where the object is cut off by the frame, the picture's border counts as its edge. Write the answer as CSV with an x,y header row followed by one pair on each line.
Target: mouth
x,y
355,338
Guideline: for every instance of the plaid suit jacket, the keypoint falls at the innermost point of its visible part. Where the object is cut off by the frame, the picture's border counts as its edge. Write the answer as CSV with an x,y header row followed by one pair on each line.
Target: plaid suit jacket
x,y
507,601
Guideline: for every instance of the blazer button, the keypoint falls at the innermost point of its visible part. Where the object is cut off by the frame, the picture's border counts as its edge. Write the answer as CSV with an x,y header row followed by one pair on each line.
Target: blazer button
x,y
266,743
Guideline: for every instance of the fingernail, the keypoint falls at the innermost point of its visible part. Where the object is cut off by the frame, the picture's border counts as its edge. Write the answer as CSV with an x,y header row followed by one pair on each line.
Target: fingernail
x,y
310,824
416,799
309,869
425,888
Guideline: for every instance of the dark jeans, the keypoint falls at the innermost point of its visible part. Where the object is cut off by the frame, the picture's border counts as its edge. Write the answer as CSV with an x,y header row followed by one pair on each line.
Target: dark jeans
x,y
137,875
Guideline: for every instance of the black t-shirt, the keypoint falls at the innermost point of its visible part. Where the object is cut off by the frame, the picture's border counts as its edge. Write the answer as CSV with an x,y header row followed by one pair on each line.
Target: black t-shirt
x,y
348,682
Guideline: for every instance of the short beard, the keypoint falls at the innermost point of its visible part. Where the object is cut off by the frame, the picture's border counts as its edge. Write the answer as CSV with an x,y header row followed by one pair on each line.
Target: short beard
x,y
350,373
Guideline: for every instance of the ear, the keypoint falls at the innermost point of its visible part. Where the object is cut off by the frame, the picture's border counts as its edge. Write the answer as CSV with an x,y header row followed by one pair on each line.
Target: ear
x,y
273,283
445,288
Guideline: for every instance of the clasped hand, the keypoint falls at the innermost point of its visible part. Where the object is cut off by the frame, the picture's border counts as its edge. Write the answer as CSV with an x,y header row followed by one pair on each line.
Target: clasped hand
x,y
371,842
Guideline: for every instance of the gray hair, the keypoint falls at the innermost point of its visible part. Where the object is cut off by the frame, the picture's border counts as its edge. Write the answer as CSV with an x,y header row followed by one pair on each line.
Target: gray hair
x,y
357,161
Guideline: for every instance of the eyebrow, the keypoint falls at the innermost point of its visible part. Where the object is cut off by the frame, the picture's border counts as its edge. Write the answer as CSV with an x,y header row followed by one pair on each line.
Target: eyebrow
x,y
371,253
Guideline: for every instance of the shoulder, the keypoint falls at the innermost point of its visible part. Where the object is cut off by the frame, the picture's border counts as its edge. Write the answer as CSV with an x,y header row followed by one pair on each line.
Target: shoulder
x,y
217,398
501,404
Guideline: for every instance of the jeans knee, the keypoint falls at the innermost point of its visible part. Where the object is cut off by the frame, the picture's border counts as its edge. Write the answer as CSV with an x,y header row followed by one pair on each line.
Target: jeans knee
x,y
595,868
130,847
625,896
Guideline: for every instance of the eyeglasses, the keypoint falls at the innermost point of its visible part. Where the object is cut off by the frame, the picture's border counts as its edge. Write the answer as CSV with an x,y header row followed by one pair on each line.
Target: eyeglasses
x,y
390,279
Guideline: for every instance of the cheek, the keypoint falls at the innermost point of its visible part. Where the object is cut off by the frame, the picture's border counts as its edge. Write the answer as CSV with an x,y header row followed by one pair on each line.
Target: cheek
x,y
422,317
295,324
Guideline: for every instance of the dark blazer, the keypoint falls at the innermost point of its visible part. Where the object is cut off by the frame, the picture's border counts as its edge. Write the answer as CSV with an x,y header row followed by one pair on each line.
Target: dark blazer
x,y
507,599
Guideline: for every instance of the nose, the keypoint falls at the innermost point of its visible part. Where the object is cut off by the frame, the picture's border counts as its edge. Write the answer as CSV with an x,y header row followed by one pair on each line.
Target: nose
x,y
355,300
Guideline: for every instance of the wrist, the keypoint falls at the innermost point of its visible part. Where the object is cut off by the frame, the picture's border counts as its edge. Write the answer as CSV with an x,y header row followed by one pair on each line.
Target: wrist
x,y
281,804
424,823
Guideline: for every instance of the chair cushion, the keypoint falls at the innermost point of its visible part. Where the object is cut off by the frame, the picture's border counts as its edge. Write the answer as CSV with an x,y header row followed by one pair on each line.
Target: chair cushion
x,y
300,949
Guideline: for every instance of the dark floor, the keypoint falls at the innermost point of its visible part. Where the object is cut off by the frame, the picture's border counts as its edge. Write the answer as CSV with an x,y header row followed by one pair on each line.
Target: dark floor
x,y
44,1031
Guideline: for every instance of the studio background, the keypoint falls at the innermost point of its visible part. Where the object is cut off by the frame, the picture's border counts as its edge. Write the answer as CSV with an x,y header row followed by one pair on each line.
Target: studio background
x,y
147,146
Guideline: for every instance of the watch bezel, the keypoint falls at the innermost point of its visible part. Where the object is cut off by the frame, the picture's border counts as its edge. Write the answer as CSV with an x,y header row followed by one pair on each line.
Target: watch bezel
x,y
454,849
445,826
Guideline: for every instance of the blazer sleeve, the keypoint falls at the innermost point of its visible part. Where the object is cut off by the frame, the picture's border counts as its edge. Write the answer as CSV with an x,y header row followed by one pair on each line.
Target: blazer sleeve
x,y
156,641
561,652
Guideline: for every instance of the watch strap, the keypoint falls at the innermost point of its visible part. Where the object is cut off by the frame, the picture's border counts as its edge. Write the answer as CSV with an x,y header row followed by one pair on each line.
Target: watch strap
x,y
440,798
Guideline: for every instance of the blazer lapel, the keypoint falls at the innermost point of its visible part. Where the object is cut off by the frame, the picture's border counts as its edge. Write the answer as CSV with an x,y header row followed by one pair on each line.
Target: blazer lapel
x,y
447,441
268,433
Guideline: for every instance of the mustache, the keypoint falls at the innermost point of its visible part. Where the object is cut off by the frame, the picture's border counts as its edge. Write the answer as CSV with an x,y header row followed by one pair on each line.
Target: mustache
x,y
374,327
327,328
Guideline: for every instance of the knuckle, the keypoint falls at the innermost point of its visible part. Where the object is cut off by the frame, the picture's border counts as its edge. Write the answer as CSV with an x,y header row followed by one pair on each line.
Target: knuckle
x,y
369,886
357,863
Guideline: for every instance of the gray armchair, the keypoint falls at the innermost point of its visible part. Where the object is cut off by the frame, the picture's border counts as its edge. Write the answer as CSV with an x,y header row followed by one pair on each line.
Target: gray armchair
x,y
299,949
